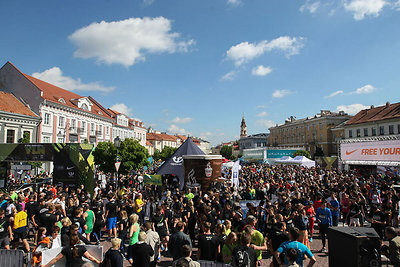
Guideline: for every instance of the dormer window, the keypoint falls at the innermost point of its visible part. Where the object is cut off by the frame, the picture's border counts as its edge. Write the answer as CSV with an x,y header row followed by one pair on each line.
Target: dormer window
x,y
84,106
61,100
100,113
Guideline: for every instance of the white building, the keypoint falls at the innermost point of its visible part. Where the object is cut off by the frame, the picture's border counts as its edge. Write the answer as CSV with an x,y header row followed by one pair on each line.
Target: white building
x,y
16,120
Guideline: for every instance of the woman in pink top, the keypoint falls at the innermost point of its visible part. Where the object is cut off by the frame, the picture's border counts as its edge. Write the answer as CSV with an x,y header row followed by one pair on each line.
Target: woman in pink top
x,y
345,207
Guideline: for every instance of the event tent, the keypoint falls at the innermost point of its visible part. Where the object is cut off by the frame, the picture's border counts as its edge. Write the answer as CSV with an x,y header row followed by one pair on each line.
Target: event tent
x,y
174,165
304,161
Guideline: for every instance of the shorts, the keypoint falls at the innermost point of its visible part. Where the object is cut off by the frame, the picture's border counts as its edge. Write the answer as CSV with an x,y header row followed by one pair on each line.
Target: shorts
x,y
4,242
111,223
20,235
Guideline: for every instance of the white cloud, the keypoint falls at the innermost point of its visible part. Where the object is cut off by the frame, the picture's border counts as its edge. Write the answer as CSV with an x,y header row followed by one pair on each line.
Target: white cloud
x,y
180,120
261,106
351,109
55,76
396,5
122,108
229,76
366,89
261,70
262,114
174,129
310,7
265,123
127,41
234,2
245,51
148,2
280,93
338,92
362,8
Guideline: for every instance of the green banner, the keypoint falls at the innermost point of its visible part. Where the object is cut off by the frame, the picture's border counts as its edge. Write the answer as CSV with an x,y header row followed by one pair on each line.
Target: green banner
x,y
152,179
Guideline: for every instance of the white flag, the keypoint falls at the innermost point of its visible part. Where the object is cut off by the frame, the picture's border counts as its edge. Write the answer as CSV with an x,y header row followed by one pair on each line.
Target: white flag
x,y
235,174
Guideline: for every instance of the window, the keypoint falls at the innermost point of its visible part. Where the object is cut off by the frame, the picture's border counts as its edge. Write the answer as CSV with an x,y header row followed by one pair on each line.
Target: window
x,y
84,106
350,133
381,130
46,139
61,121
358,132
83,126
321,136
47,118
398,128
107,130
61,100
60,140
27,135
10,136
73,124
365,131
391,129
100,131
373,131
320,126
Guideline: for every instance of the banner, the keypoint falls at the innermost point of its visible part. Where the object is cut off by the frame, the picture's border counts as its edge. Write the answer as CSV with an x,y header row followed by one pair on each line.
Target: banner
x,y
373,151
152,179
235,174
279,153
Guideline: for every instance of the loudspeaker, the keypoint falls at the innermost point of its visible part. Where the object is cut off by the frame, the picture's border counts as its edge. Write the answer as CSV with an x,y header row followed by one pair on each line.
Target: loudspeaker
x,y
354,247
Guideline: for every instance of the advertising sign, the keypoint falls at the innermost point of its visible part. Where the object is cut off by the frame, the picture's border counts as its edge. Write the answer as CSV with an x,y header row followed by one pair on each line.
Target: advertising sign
x,y
254,154
373,151
202,169
279,153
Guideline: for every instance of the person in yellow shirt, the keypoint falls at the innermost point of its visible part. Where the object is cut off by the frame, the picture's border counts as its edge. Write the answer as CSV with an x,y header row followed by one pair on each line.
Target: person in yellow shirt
x,y
139,206
21,228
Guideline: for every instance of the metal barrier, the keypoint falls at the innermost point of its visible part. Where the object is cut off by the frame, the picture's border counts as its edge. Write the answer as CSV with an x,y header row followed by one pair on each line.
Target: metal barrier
x,y
212,264
48,255
12,258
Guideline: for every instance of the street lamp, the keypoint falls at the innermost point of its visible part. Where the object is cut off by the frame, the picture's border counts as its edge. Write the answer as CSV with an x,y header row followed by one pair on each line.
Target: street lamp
x,y
117,144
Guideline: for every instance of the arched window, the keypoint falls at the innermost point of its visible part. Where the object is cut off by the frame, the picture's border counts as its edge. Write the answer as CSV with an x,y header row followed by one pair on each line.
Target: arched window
x,y
61,100
84,106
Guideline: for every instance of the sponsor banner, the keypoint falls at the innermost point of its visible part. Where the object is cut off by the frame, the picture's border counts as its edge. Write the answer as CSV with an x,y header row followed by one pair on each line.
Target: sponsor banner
x,y
374,151
279,153
254,154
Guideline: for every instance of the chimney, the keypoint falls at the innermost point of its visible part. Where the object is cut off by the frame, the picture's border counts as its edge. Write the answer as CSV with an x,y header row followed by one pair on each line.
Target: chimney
x,y
387,104
372,106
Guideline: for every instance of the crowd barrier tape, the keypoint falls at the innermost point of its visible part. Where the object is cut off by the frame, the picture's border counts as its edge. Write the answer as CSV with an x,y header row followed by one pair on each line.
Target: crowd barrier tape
x,y
11,258
212,264
48,255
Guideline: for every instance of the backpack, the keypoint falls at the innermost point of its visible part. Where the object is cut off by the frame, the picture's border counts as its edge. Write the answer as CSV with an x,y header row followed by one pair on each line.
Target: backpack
x,y
241,258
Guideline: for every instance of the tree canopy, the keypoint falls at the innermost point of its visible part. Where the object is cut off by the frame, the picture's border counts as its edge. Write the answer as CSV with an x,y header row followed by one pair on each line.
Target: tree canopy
x,y
301,153
132,155
226,152
164,154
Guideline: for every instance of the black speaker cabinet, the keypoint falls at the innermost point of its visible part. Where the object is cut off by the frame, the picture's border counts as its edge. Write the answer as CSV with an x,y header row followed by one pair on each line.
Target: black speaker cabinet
x,y
353,247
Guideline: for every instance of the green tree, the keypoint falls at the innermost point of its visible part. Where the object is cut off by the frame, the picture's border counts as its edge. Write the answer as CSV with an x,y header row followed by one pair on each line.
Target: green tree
x,y
318,152
132,155
226,152
301,153
26,138
164,154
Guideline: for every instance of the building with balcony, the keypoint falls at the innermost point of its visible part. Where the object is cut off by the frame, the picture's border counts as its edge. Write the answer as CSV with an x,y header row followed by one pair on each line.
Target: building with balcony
x,y
315,134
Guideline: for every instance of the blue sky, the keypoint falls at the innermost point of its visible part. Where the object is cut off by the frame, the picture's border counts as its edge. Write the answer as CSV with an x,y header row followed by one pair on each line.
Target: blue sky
x,y
197,66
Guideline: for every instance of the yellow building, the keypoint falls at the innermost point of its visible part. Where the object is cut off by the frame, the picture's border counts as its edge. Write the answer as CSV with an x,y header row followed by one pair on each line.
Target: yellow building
x,y
312,133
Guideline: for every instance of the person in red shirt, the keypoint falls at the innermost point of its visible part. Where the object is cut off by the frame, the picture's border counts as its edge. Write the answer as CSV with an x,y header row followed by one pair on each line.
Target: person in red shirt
x,y
310,212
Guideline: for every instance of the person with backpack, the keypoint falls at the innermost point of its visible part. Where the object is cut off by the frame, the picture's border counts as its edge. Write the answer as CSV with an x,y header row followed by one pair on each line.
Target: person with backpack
x,y
244,255
113,257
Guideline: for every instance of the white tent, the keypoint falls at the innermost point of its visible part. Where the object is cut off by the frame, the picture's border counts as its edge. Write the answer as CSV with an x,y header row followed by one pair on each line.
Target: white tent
x,y
304,161
284,160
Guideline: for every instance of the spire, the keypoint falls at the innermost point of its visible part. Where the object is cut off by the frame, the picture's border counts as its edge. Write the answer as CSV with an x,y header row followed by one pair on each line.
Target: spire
x,y
243,128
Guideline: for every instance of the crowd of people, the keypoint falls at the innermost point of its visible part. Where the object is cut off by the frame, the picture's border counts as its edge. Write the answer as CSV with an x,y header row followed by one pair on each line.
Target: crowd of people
x,y
143,222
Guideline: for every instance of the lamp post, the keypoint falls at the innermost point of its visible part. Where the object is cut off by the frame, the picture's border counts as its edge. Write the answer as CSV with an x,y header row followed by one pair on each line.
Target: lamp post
x,y
117,144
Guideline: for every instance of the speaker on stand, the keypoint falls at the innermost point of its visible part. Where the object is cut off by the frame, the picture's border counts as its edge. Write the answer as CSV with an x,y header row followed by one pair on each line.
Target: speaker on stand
x,y
354,247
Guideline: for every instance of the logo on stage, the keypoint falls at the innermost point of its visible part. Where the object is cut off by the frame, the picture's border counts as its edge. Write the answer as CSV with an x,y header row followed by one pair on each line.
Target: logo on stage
x,y
208,170
177,161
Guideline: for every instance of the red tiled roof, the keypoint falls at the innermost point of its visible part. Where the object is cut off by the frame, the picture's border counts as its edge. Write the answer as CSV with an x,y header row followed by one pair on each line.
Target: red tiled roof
x,y
9,103
388,111
148,143
54,94
160,137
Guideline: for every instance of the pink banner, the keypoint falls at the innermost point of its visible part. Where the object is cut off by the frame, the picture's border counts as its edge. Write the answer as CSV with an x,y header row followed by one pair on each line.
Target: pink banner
x,y
376,151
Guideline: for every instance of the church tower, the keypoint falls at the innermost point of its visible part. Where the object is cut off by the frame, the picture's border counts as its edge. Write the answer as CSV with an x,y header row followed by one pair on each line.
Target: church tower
x,y
243,128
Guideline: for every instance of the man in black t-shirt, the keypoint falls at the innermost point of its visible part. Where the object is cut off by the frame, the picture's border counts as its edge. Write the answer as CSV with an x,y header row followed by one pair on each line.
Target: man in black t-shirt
x,y
208,244
142,252
244,255
276,238
78,220
5,231
111,215
49,219
377,219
